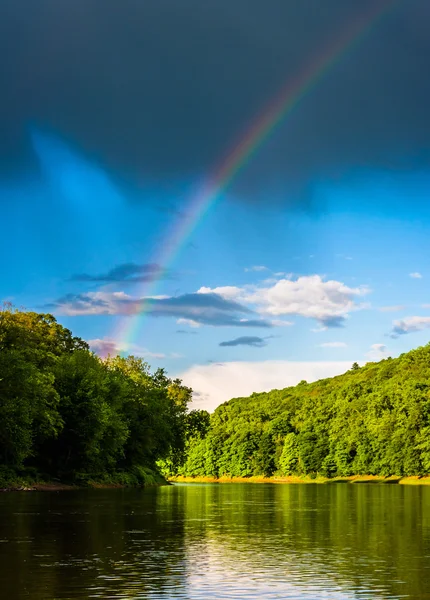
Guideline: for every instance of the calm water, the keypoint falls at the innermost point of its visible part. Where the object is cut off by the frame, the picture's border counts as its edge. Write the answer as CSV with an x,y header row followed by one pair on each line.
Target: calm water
x,y
331,541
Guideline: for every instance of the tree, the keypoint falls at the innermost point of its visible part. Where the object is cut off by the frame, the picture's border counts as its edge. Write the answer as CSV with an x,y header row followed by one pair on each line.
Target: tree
x,y
91,404
370,420
68,414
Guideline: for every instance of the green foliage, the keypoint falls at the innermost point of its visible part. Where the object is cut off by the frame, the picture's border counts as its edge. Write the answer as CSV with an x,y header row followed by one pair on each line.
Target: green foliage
x,y
135,476
67,414
195,425
372,420
289,459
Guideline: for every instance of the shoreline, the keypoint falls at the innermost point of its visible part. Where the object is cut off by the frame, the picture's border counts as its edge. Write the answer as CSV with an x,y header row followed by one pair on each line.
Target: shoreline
x,y
293,479
352,479
40,487
66,487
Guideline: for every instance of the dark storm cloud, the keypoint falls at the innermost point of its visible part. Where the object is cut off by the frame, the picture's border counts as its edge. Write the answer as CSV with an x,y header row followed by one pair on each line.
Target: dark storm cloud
x,y
206,309
159,90
246,340
126,273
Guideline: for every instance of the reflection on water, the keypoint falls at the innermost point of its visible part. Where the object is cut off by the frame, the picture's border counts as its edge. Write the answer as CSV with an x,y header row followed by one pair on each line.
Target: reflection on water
x,y
218,541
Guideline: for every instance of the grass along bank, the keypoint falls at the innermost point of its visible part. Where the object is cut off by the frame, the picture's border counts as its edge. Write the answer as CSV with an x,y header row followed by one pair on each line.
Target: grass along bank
x,y
412,480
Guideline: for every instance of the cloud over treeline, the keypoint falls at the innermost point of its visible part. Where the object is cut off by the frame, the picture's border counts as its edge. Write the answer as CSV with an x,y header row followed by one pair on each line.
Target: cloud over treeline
x,y
409,325
329,302
205,309
261,305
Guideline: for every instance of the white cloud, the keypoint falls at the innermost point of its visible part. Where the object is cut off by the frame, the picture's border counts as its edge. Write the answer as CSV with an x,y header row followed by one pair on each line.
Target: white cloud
x,y
94,303
188,322
415,275
229,292
218,382
393,308
281,323
309,296
329,302
333,345
377,352
409,325
105,346
257,268
204,308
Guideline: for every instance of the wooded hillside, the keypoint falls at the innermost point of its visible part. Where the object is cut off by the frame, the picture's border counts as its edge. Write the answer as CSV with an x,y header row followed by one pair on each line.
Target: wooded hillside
x,y
371,420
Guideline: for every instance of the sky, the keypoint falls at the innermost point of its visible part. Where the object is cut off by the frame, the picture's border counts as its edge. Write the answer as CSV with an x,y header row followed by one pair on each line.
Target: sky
x,y
235,190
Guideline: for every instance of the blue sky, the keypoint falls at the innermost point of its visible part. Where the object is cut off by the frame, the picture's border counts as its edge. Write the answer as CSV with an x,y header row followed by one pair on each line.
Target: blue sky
x,y
321,286
316,254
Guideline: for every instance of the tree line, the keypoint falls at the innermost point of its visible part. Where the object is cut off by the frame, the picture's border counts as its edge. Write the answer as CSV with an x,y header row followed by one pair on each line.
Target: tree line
x,y
372,420
68,415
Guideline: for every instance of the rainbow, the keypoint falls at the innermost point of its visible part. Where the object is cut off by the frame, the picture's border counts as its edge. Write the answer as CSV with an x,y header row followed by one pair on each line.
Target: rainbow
x,y
236,159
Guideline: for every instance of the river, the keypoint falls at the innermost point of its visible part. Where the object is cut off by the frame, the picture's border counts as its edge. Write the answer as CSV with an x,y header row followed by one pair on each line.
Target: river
x,y
302,541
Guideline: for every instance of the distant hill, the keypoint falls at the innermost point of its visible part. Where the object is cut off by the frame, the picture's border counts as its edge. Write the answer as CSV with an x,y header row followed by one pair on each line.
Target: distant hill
x,y
372,420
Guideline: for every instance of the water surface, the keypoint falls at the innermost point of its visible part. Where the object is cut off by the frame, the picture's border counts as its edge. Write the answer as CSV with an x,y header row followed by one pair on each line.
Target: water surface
x,y
332,541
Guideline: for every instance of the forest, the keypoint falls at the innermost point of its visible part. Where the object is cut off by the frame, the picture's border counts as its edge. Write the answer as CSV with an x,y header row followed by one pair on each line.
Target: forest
x,y
372,420
67,415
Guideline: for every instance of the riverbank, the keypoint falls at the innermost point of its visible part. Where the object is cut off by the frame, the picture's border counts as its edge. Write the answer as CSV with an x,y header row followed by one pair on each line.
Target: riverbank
x,y
64,487
38,487
353,479
25,482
